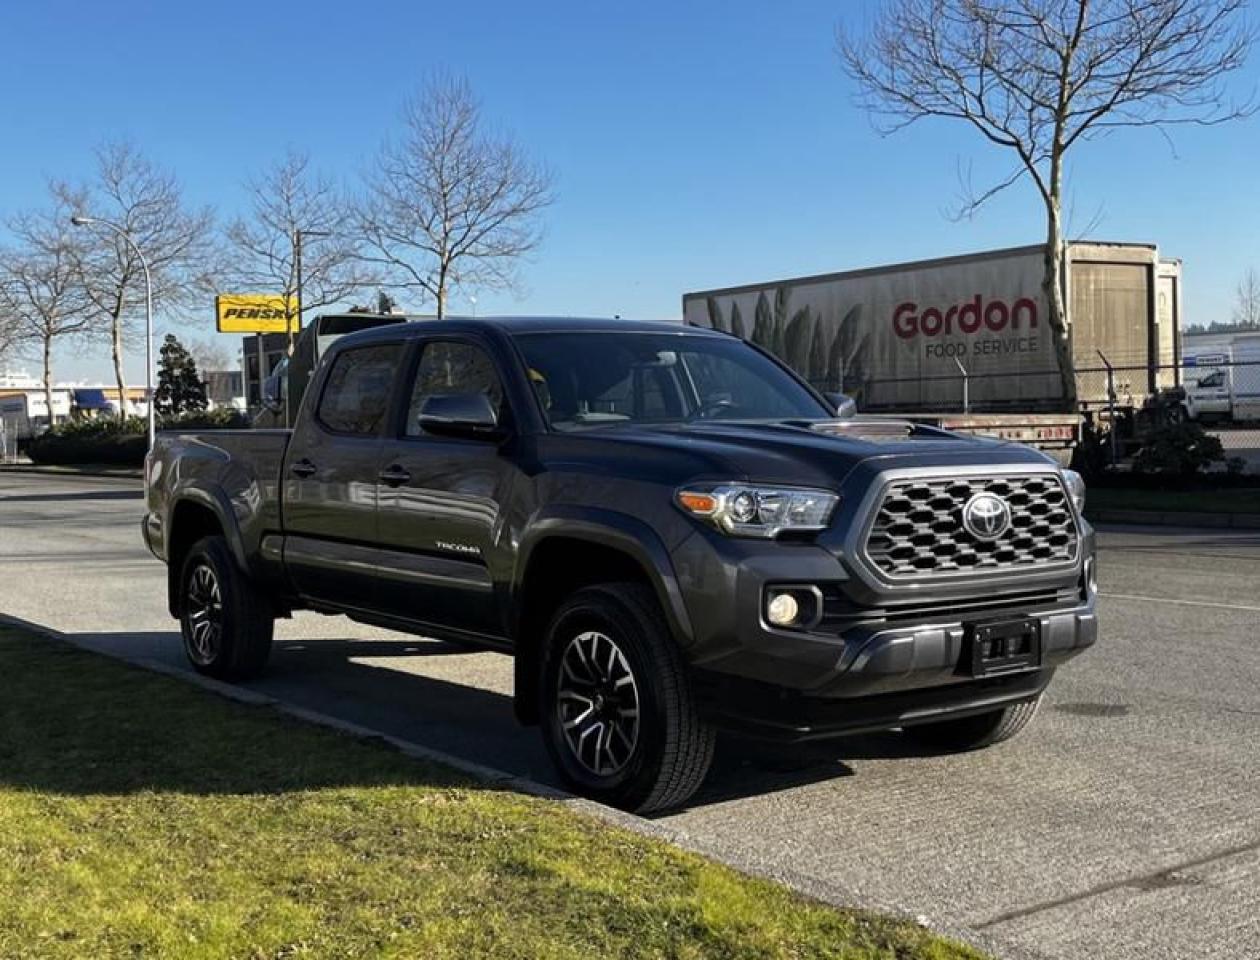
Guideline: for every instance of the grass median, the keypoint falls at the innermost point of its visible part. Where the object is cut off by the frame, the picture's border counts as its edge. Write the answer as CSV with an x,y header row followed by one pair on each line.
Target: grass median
x,y
140,816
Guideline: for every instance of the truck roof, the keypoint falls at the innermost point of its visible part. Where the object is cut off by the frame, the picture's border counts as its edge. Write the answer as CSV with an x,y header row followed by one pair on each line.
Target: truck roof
x,y
520,325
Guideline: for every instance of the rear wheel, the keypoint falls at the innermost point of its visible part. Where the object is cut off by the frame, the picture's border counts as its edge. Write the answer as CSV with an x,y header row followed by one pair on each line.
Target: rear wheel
x,y
975,732
226,622
619,716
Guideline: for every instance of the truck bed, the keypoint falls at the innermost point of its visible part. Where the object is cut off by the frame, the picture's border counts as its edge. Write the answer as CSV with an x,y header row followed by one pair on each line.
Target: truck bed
x,y
239,469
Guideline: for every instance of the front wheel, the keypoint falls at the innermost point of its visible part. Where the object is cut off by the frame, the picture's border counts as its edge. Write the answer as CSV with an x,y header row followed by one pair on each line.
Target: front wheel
x,y
226,622
619,716
975,732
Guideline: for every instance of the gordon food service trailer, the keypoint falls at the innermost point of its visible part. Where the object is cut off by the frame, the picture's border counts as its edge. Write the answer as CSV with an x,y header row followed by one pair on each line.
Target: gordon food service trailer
x,y
965,341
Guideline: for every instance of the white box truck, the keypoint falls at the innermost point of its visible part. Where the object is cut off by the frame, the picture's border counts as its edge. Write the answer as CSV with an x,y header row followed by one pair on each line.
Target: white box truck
x,y
965,341
24,413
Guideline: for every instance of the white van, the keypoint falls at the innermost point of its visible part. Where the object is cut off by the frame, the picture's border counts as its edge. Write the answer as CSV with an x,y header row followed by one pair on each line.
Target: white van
x,y
1224,384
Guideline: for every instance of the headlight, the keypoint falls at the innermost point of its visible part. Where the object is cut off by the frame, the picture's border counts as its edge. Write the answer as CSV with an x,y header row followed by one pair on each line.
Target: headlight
x,y
745,510
1076,488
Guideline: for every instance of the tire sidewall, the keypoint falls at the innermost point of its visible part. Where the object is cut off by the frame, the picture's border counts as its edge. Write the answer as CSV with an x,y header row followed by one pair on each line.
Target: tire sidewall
x,y
213,553
595,609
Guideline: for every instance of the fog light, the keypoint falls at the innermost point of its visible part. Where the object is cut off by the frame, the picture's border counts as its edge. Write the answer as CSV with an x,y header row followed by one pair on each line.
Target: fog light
x,y
782,610
1091,575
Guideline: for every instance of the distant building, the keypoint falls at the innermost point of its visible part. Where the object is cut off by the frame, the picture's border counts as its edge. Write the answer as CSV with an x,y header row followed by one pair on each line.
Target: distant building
x,y
224,387
267,350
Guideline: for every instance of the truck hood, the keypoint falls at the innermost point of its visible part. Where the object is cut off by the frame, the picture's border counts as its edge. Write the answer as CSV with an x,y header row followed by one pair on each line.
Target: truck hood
x,y
800,453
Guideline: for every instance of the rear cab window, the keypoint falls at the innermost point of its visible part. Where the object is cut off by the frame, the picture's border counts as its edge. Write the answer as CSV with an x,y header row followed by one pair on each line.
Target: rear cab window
x,y
355,399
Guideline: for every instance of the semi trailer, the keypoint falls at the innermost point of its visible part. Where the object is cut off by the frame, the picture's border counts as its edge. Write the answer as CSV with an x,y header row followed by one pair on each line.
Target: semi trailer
x,y
966,342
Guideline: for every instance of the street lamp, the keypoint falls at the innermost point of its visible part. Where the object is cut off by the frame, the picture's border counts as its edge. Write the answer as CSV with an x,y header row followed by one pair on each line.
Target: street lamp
x,y
298,237
80,221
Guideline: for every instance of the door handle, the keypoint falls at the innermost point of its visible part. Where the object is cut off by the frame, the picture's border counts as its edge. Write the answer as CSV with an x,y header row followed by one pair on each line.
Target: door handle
x,y
303,469
394,476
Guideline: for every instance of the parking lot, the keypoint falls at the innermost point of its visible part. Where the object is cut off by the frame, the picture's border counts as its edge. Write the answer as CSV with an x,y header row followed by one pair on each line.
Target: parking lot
x,y
1125,824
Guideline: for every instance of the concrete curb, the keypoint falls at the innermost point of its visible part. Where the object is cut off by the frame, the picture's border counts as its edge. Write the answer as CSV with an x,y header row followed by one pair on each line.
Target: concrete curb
x,y
1176,518
824,891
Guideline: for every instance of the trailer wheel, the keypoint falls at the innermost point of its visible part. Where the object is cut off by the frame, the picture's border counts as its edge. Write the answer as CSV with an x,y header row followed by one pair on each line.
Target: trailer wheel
x,y
618,714
226,622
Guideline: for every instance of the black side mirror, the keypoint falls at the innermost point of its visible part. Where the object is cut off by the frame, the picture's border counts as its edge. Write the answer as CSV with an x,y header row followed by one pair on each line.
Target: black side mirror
x,y
466,415
843,404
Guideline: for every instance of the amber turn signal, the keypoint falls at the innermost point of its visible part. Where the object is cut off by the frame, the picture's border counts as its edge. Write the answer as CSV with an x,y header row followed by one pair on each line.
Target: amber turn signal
x,y
701,504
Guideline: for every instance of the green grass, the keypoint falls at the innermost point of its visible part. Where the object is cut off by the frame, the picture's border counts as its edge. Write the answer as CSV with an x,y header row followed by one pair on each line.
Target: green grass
x,y
143,817
1241,500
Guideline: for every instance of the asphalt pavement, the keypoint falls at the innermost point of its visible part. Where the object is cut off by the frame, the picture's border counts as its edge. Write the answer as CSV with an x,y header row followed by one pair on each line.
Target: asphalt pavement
x,y
1124,824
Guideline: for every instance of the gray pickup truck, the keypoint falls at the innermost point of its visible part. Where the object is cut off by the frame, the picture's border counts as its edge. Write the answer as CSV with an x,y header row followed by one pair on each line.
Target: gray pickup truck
x,y
669,531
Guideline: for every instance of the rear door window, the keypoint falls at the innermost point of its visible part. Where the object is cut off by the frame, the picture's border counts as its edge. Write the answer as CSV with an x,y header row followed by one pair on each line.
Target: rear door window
x,y
356,398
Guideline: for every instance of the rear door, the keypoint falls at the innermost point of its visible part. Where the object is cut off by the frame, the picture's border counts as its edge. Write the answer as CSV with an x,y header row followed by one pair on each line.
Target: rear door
x,y
441,498
331,478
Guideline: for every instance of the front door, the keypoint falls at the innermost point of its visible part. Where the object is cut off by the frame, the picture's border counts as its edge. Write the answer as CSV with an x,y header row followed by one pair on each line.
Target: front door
x,y
440,500
331,476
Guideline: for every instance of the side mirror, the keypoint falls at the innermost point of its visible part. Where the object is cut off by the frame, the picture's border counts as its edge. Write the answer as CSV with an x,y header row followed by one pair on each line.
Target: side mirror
x,y
843,404
466,415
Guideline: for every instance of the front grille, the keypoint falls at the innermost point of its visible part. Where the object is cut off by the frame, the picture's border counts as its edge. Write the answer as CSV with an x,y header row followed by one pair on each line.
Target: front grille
x,y
918,530
841,613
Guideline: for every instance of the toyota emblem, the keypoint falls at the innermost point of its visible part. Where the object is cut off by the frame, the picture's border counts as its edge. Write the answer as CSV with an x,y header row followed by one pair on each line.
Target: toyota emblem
x,y
986,516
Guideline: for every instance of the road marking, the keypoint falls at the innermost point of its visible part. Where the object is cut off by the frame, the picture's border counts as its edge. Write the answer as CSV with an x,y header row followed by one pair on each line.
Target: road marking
x,y
1184,603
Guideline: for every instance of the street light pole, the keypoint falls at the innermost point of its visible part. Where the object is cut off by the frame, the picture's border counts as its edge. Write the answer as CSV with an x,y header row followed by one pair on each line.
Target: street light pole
x,y
298,236
297,272
79,221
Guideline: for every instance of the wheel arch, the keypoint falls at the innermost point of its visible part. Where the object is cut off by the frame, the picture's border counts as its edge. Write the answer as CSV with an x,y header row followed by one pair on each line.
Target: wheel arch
x,y
565,552
196,514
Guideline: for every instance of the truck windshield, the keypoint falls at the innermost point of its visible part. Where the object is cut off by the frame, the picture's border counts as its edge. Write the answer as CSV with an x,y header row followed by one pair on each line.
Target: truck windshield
x,y
598,378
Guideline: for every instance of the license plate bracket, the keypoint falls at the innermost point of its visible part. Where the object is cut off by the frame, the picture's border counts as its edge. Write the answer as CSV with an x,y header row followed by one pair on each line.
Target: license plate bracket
x,y
1003,646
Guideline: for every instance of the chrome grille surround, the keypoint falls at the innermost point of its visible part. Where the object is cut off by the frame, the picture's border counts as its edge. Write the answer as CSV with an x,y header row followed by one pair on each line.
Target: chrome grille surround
x,y
915,533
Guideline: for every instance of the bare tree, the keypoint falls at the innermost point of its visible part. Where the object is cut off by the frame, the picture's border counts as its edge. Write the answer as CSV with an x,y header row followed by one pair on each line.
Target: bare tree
x,y
1036,77
1247,301
11,332
288,199
449,205
41,298
148,203
209,354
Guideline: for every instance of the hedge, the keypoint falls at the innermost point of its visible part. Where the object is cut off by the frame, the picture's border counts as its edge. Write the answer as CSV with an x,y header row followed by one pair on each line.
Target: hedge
x,y
118,442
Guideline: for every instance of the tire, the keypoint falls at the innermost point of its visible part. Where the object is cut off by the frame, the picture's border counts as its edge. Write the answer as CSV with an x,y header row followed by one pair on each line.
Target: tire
x,y
226,622
612,672
978,731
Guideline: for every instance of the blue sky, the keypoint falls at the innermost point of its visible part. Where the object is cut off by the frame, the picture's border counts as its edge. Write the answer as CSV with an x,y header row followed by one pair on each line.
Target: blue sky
x,y
695,144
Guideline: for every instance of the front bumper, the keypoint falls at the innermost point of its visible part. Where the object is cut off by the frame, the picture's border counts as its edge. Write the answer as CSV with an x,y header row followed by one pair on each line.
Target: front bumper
x,y
151,532
774,713
872,663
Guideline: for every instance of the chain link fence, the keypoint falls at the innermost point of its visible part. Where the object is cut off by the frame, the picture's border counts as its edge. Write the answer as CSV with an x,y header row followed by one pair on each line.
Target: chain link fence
x,y
1223,399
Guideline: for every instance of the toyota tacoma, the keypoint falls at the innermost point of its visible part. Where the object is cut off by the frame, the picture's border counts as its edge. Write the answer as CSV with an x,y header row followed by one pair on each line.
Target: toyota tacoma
x,y
669,531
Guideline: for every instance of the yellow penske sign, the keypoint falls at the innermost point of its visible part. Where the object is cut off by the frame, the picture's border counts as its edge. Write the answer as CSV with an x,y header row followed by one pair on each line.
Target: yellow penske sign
x,y
254,313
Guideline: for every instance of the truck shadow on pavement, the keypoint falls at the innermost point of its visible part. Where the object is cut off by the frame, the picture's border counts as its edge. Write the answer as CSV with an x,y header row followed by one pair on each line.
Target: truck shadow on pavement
x,y
404,699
